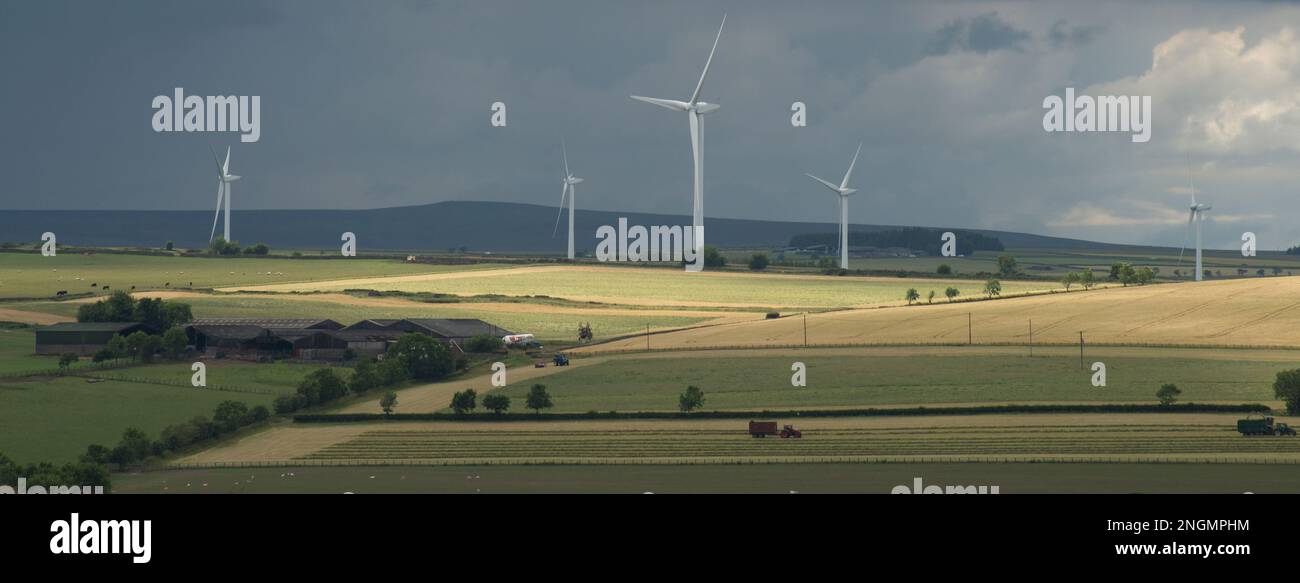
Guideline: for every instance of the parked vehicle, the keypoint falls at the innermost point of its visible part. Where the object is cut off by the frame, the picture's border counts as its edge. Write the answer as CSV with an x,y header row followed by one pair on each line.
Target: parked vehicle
x,y
561,360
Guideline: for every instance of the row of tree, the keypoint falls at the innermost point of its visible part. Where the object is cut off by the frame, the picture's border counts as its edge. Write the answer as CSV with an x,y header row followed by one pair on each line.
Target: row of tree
x,y
156,315
46,474
467,400
220,246
413,356
992,289
136,446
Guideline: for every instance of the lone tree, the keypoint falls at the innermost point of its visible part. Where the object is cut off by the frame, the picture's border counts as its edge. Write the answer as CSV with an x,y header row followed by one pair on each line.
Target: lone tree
x,y
993,287
464,401
1168,393
951,293
496,403
944,269
1069,280
930,299
388,402
1287,388
1007,265
1087,279
690,400
758,262
539,399
912,295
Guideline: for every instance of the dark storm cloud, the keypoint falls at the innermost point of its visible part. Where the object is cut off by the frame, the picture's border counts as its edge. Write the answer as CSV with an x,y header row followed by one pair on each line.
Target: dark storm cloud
x,y
981,34
385,103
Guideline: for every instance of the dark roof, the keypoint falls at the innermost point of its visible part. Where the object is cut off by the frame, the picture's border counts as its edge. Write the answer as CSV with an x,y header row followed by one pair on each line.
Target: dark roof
x,y
90,327
359,335
282,323
230,331
459,327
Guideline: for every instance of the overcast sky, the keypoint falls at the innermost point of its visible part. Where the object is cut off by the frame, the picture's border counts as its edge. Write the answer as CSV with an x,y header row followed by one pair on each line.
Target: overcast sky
x,y
386,103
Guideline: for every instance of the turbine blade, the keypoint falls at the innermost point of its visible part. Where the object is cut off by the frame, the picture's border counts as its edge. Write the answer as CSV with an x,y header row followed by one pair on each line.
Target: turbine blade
x,y
225,168
665,103
845,184
221,174
220,188
564,191
695,97
1183,249
565,150
828,183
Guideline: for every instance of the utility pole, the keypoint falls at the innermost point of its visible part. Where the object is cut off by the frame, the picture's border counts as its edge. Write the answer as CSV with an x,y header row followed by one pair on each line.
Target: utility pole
x,y
1031,338
647,337
805,329
970,334
1081,350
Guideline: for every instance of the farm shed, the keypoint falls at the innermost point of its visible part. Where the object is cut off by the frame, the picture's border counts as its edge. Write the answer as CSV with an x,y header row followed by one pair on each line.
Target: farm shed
x,y
83,338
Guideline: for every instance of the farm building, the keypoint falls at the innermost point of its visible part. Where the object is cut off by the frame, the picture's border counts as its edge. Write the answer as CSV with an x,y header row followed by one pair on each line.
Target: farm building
x,y
83,338
321,339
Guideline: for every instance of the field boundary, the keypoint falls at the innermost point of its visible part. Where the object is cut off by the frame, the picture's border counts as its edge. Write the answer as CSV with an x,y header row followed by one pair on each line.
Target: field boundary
x,y
754,460
816,413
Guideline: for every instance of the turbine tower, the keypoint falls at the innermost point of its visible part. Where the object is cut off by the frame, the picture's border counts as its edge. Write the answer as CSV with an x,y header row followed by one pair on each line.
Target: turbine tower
x,y
1197,211
566,190
694,108
224,178
843,191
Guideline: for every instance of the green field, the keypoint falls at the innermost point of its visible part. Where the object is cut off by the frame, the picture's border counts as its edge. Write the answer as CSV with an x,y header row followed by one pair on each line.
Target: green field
x,y
890,378
275,378
32,275
548,327
54,419
651,285
1013,478
1054,263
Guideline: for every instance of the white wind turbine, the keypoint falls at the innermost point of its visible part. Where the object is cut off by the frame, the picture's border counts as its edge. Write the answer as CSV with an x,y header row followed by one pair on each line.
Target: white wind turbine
x,y
1197,210
695,108
224,178
566,190
843,191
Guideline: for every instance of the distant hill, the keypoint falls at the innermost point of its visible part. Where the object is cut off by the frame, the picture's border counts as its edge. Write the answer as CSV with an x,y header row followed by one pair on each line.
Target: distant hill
x,y
480,226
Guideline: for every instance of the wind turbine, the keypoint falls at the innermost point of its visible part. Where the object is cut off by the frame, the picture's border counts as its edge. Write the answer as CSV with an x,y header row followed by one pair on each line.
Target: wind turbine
x,y
566,190
1196,210
224,178
843,191
694,108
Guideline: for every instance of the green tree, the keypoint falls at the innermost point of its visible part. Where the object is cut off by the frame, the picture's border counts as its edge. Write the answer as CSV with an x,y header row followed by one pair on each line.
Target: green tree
x,y
484,343
169,246
136,442
912,295
426,358
538,398
464,401
393,370
229,416
712,258
1070,279
365,376
66,359
1287,388
1168,393
930,298
951,293
388,402
944,269
496,403
758,262
690,400
174,343
1007,265
258,249
322,386
992,288
1087,279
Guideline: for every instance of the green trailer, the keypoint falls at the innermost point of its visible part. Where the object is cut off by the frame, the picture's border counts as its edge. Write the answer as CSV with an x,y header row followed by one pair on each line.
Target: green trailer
x,y
1260,425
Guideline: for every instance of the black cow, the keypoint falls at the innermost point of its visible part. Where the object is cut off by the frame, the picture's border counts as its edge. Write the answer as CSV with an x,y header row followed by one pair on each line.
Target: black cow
x,y
61,293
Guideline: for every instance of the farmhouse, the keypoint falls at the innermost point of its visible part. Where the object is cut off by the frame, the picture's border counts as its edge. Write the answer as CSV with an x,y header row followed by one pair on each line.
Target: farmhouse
x,y
83,338
310,339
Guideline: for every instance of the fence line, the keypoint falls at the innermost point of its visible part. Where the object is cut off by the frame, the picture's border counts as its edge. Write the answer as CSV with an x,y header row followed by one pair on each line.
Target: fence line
x,y
755,460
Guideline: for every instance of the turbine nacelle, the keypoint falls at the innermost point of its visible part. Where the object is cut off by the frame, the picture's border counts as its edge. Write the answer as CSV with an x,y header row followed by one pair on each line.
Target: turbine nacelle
x,y
847,191
704,107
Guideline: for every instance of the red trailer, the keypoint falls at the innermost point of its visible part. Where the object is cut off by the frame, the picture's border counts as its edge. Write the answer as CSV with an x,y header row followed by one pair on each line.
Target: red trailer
x,y
766,428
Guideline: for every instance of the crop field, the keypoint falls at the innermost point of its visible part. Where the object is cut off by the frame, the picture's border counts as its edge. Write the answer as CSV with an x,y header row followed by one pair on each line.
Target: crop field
x,y
1114,437
54,419
1263,312
1011,478
665,287
29,275
549,323
866,377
